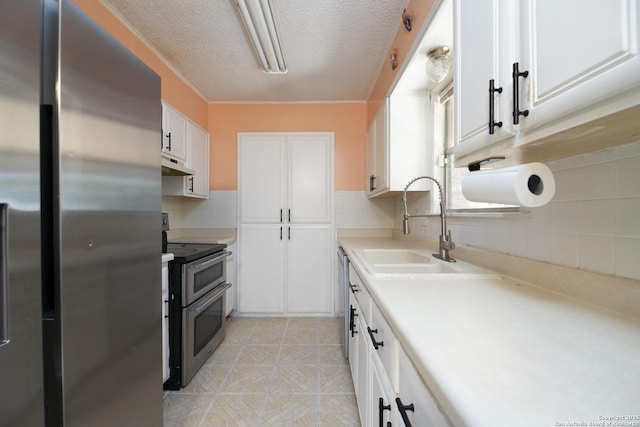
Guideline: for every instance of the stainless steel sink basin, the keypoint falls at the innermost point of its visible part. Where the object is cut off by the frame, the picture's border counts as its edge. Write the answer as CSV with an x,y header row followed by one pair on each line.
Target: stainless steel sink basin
x,y
405,263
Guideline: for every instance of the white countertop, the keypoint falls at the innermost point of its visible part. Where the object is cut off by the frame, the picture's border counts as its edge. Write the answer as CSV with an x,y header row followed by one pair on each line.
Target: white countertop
x,y
498,352
167,257
202,235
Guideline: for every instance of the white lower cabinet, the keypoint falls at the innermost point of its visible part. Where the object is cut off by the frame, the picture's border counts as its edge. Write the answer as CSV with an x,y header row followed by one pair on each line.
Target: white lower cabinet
x,y
383,407
289,269
262,289
420,407
388,388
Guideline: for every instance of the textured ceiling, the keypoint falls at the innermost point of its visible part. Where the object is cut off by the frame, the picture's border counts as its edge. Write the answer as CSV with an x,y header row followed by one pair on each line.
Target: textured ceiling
x,y
334,49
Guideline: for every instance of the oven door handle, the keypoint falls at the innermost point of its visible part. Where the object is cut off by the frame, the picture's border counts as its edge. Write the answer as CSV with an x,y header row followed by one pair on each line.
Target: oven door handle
x,y
200,306
198,266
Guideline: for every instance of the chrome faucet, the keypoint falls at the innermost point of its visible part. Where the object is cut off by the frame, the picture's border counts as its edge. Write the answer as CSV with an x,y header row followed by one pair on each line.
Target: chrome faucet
x,y
446,244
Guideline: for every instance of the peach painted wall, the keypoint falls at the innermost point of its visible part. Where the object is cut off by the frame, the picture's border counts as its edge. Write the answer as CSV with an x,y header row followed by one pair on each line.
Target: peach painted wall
x,y
174,90
419,10
347,120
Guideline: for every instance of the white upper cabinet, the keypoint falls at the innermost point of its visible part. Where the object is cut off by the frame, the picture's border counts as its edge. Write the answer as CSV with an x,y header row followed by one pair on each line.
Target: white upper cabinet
x,y
484,51
262,178
197,159
578,52
285,178
561,71
174,134
397,143
183,137
309,191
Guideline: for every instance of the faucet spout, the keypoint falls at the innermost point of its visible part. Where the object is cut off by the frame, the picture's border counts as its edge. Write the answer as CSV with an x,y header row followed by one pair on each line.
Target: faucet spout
x,y
446,243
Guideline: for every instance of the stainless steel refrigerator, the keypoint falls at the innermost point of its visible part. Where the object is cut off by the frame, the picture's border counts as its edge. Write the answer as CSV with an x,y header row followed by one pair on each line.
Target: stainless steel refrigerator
x,y
80,229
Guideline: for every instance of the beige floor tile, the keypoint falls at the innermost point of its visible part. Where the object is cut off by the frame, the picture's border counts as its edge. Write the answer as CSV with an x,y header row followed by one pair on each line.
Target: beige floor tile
x,y
208,379
331,324
298,355
291,410
259,355
331,355
239,337
295,379
335,379
247,379
338,410
266,336
328,337
301,337
225,355
235,410
185,410
303,323
241,324
278,323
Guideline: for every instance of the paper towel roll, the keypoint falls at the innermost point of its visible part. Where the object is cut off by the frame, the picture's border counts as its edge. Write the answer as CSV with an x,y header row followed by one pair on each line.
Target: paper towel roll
x,y
530,185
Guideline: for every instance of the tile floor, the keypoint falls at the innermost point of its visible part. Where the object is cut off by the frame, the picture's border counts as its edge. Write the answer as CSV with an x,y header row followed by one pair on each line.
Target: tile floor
x,y
270,372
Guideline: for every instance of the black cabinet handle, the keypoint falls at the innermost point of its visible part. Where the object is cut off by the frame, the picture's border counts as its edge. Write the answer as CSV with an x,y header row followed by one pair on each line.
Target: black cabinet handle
x,y
354,288
191,179
516,93
169,146
492,123
403,411
372,178
381,409
289,213
352,321
280,216
288,233
281,233
376,344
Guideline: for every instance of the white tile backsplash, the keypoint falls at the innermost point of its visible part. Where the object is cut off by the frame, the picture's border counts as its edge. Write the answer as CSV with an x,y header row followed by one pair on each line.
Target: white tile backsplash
x,y
592,223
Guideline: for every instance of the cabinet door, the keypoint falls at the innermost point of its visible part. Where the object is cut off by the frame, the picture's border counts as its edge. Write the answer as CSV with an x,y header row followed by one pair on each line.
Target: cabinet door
x,y
174,138
484,50
354,331
370,160
261,178
377,151
362,387
382,401
198,160
310,182
577,52
413,391
261,269
309,269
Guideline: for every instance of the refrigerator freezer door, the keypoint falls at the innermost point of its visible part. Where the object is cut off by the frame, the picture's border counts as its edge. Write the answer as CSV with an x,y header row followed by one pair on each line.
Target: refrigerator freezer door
x,y
108,239
21,380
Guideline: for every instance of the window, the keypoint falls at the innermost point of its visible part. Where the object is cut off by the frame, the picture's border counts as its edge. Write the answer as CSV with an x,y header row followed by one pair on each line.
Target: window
x,y
451,177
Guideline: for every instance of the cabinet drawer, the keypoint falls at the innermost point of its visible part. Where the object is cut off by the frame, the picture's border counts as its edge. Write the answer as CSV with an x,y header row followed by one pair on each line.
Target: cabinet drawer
x,y
388,348
361,294
413,391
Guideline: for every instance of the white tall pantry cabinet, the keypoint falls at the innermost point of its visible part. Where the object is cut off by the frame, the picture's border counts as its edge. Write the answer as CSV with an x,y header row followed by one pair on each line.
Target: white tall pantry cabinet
x,y
285,183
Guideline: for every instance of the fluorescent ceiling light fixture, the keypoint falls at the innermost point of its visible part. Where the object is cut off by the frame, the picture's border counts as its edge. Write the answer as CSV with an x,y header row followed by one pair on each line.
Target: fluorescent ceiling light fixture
x,y
261,28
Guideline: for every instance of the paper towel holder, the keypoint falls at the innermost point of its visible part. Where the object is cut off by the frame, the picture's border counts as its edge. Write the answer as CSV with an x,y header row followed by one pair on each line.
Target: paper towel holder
x,y
476,166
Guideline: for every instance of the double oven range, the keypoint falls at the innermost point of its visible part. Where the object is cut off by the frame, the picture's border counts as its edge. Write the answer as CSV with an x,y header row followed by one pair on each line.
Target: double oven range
x,y
197,285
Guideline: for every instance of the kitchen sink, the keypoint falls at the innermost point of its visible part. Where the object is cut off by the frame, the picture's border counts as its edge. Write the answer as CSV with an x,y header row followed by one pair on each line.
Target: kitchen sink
x,y
405,263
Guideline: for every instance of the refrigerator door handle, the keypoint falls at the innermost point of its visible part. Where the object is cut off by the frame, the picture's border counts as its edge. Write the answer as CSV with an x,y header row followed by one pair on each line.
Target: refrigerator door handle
x,y
4,292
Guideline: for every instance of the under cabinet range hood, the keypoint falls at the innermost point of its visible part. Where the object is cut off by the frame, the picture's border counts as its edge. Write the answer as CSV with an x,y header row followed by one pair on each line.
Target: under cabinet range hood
x,y
173,168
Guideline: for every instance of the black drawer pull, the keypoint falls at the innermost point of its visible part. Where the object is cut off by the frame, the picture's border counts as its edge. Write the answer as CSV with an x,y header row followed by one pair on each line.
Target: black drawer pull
x,y
352,322
376,344
381,408
403,411
516,93
492,123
